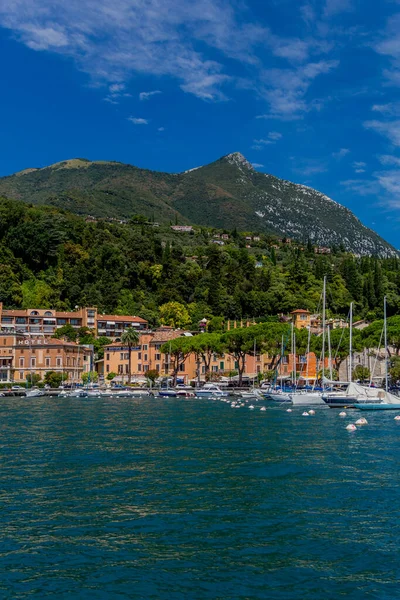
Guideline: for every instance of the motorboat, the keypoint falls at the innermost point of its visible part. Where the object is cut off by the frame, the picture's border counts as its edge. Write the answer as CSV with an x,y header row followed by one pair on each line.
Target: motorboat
x,y
167,393
35,393
210,390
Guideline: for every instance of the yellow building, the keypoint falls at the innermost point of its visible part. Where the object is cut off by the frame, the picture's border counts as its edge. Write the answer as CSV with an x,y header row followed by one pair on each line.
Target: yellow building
x,y
301,318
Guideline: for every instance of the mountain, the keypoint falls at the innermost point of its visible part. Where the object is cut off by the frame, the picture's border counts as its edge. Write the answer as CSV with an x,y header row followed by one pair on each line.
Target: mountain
x,y
227,193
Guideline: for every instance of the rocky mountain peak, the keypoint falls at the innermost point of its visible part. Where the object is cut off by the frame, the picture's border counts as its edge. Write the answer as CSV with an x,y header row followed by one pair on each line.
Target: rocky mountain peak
x,y
237,159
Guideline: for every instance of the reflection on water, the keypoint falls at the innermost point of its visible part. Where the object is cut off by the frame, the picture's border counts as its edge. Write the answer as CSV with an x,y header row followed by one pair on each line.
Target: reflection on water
x,y
177,499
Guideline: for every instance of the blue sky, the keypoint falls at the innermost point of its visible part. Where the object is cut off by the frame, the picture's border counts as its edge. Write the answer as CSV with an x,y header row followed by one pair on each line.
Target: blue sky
x,y
307,91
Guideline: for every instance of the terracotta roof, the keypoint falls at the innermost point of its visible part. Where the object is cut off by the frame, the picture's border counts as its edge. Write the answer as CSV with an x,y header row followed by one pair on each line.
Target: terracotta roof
x,y
121,318
160,337
300,311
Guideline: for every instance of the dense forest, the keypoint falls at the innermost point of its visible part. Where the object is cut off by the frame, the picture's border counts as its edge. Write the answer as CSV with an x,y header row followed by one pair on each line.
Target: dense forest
x,y
50,258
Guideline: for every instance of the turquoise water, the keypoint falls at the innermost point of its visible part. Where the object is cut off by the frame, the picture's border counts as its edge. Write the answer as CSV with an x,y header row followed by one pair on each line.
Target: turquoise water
x,y
190,499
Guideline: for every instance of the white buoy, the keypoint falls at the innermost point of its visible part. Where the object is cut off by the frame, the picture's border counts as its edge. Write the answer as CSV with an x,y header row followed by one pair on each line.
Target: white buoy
x,y
397,418
289,410
251,407
351,427
362,421
263,408
311,412
305,414
342,414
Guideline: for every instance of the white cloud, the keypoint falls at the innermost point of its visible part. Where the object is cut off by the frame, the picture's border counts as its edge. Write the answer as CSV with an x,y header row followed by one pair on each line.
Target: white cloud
x,y
387,159
334,7
161,129
359,164
113,42
147,95
272,138
286,89
340,153
389,129
310,166
138,121
359,170
362,187
257,165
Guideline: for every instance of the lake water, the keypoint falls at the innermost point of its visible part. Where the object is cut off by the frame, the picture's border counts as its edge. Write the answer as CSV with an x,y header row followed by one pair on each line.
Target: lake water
x,y
190,499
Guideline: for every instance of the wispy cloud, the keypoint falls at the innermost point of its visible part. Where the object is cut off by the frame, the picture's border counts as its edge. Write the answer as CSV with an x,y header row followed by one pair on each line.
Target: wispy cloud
x,y
389,129
310,166
334,7
340,153
147,95
161,129
272,138
387,159
285,89
257,165
113,42
138,121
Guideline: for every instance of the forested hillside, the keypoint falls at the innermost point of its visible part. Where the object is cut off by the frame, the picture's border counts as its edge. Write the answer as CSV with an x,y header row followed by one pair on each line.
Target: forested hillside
x,y
227,193
50,258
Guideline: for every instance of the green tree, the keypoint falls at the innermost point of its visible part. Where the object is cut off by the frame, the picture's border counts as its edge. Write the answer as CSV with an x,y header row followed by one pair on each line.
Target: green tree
x,y
66,332
91,377
152,375
32,379
130,338
361,373
178,350
174,314
111,375
54,378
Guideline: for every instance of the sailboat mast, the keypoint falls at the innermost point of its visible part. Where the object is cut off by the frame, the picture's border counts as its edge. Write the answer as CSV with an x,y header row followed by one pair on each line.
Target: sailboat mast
x,y
351,343
292,348
330,354
323,329
386,347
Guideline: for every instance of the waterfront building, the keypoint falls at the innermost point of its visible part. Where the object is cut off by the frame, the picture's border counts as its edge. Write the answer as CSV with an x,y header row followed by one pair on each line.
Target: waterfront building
x,y
301,318
23,355
44,322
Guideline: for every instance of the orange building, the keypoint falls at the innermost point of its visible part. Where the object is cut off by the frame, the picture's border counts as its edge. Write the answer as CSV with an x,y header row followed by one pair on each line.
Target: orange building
x,y
21,356
44,322
301,318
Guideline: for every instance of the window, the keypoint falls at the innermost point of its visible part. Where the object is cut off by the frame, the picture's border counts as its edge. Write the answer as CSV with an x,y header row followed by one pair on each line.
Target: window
x,y
139,367
6,320
58,361
61,321
214,369
21,362
107,368
20,320
158,356
303,317
47,362
126,356
145,357
146,367
33,362
144,347
75,321
182,367
121,356
222,366
34,312
158,368
21,374
108,356
126,369
139,356
120,369
48,313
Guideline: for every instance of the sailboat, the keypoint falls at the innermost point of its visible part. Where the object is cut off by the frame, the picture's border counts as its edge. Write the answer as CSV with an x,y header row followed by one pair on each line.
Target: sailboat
x,y
384,400
279,395
312,397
